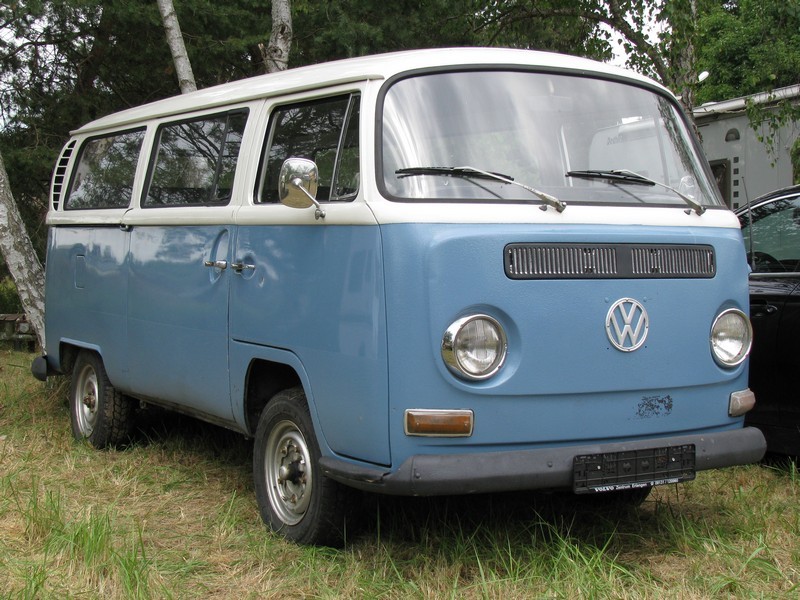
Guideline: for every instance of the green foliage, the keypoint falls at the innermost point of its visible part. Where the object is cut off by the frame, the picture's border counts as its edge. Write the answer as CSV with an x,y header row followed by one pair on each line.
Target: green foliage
x,y
767,120
795,155
751,47
9,299
555,25
748,46
331,29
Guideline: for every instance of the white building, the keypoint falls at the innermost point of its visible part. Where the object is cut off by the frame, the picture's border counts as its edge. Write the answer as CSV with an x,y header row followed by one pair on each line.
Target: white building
x,y
744,165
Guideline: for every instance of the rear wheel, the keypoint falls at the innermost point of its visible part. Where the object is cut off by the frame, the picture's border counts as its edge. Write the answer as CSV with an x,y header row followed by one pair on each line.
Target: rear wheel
x,y
295,499
98,412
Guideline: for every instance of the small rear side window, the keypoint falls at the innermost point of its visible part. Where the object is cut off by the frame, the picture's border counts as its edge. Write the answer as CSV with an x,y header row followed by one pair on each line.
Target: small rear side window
x,y
195,161
104,175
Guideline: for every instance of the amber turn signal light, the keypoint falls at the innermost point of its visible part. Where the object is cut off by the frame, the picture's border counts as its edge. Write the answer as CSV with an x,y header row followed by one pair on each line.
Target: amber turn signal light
x,y
447,423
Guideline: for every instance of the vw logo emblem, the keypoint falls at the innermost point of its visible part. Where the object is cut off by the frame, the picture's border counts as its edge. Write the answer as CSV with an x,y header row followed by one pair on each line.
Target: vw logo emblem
x,y
627,324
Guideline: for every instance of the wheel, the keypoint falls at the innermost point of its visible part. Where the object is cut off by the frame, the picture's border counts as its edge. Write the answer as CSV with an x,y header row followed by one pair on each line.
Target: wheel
x,y
295,499
99,413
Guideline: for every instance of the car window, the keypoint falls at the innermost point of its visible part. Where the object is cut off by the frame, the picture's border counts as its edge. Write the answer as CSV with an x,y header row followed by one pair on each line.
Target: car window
x,y
772,235
555,132
325,131
105,172
196,161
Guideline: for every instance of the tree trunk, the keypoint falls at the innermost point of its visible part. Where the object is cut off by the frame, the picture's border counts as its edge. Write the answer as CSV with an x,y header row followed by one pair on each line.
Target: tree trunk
x,y
276,55
24,265
183,67
685,67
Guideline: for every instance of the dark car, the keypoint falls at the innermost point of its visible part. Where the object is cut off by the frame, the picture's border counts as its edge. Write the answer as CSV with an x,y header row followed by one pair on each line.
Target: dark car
x,y
771,229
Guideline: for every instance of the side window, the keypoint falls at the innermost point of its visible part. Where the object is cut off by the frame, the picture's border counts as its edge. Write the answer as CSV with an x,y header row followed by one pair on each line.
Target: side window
x,y
103,177
773,240
325,131
195,161
348,168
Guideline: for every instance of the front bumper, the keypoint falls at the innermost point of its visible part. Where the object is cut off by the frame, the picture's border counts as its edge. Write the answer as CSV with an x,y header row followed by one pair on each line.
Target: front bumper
x,y
545,468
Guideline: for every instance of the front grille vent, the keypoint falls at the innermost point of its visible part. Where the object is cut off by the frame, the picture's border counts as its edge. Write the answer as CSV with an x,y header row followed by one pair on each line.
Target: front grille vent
x,y
59,175
608,261
673,261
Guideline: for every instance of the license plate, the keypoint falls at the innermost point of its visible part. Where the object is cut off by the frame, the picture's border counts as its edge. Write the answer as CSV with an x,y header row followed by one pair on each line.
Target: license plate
x,y
611,471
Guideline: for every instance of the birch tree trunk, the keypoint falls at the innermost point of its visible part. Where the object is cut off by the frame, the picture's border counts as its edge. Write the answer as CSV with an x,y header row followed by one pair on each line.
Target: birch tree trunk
x,y
183,67
24,265
276,55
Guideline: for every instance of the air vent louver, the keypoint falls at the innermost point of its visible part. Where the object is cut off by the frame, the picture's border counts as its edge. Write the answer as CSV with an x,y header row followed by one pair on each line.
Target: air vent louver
x,y
608,261
59,175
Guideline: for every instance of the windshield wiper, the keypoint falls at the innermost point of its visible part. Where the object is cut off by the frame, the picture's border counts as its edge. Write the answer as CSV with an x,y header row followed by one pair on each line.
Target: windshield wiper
x,y
474,173
626,176
451,171
620,175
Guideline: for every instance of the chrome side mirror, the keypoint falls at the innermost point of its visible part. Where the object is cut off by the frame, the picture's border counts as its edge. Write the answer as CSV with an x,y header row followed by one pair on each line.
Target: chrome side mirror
x,y
297,185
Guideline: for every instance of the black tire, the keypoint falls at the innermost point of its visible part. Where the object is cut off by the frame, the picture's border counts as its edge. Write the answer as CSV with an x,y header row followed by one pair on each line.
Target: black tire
x,y
99,413
295,499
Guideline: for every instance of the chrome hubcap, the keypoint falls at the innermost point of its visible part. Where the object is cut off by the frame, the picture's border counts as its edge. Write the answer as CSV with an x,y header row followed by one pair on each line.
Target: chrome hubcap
x,y
288,471
86,395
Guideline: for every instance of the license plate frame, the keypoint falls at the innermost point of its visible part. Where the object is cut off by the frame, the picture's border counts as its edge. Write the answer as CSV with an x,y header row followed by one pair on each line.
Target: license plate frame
x,y
630,469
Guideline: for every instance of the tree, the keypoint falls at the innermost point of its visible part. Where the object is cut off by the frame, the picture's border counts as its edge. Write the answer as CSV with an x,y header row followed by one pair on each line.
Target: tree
x,y
20,257
177,48
334,29
748,47
666,54
276,55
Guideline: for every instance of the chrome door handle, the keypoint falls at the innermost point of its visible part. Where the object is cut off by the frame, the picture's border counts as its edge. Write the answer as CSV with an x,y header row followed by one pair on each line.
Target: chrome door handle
x,y
217,264
240,266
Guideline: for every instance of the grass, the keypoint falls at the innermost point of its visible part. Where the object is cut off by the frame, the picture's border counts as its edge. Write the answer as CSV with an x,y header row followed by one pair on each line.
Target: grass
x,y
174,516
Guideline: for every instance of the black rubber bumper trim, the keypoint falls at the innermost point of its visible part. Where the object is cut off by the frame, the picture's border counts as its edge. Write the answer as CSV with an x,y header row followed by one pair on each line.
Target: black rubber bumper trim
x,y
545,468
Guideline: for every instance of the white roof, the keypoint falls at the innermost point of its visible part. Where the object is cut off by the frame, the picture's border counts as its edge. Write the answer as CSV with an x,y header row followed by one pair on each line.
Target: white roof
x,y
380,66
739,104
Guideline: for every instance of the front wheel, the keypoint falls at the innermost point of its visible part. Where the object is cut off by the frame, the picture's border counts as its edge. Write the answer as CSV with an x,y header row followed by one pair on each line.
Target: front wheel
x,y
295,499
99,413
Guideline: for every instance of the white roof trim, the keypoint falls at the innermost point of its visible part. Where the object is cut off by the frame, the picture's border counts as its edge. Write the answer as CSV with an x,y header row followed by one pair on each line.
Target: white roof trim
x,y
325,75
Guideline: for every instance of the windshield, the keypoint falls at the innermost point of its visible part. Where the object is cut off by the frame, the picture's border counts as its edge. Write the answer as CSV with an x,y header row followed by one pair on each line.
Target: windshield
x,y
534,128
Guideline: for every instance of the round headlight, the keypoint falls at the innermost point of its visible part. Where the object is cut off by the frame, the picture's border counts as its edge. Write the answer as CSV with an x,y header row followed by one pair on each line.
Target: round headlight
x,y
474,347
731,337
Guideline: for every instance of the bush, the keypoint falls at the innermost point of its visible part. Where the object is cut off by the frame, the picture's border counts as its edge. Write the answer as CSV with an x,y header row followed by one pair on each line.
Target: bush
x,y
9,299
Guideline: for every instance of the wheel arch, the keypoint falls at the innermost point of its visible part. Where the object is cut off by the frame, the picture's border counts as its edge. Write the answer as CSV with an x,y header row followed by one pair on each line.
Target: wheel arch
x,y
265,378
68,351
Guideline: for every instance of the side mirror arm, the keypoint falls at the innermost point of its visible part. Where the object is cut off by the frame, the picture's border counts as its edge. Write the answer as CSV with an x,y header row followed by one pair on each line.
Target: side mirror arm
x,y
319,213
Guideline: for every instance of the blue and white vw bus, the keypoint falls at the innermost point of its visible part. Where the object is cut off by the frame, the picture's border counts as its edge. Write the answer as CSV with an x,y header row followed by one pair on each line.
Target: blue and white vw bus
x,y
431,272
